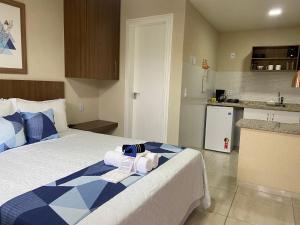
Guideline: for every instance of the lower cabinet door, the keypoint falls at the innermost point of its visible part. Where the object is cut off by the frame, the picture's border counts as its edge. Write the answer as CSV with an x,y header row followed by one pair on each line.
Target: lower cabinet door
x,y
256,114
285,117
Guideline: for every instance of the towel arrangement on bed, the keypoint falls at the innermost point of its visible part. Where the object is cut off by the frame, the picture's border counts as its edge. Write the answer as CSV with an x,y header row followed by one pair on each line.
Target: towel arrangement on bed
x,y
68,200
132,159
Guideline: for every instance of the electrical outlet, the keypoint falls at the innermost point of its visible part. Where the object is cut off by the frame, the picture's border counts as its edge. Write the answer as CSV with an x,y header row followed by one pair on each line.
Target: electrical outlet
x,y
229,93
233,55
193,60
81,107
185,93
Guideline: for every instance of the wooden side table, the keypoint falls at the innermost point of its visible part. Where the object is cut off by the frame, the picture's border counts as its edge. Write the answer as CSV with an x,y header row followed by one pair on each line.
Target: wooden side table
x,y
97,126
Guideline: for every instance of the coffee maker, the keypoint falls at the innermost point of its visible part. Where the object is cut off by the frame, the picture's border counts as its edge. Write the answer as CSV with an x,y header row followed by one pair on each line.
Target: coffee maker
x,y
220,95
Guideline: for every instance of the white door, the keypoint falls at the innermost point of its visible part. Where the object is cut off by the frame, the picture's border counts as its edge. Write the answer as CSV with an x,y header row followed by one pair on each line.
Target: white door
x,y
150,65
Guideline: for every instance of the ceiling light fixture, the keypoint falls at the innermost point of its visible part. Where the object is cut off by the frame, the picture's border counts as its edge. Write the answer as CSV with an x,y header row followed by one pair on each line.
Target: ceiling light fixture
x,y
275,12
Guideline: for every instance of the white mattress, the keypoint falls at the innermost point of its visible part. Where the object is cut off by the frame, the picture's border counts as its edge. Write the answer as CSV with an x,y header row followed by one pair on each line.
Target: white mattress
x,y
164,197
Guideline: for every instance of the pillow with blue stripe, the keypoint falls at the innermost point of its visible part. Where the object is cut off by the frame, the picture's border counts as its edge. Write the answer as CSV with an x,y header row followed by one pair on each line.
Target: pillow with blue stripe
x,y
39,126
11,132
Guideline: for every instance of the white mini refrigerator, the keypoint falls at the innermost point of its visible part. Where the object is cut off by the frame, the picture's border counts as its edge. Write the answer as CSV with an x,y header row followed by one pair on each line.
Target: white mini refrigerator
x,y
219,128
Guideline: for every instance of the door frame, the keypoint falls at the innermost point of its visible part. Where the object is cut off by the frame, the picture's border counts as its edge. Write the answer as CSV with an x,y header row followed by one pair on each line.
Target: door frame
x,y
131,25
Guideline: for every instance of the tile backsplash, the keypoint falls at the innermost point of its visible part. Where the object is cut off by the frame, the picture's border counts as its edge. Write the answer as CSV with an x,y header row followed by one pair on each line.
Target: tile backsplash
x,y
258,86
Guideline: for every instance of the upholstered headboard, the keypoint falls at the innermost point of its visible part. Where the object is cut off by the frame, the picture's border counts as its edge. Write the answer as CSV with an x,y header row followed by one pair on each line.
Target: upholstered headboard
x,y
32,90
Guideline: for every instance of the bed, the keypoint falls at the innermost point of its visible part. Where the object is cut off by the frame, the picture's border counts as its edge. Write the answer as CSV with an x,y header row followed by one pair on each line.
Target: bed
x,y
166,196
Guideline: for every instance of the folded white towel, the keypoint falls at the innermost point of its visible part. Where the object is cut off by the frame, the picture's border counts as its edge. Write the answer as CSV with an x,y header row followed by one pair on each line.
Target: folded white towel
x,y
113,158
154,157
141,164
115,176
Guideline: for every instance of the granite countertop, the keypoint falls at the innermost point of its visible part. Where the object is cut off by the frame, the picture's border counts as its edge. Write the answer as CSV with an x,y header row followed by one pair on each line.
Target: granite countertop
x,y
270,126
259,105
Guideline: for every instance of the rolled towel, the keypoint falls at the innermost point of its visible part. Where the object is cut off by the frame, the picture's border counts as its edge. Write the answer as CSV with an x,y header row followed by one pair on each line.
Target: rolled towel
x,y
154,157
133,150
143,165
113,158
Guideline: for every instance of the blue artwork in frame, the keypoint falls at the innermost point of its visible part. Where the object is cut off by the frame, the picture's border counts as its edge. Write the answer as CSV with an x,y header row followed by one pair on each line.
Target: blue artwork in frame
x,y
13,55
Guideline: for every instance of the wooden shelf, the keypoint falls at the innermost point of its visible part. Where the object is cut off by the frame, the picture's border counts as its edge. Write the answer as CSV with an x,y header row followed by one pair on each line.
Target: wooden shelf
x,y
274,71
286,56
97,126
274,58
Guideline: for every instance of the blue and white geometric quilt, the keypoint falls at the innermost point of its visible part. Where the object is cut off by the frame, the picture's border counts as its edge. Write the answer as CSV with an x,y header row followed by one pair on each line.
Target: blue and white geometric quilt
x,y
68,200
11,132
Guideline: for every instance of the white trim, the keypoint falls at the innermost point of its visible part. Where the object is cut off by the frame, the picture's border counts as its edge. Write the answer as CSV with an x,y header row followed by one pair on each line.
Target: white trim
x,y
131,24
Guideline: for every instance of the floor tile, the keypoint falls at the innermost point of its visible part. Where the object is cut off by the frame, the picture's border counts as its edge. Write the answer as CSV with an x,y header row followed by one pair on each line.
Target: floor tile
x,y
223,181
221,200
221,162
261,210
230,221
266,196
297,215
204,218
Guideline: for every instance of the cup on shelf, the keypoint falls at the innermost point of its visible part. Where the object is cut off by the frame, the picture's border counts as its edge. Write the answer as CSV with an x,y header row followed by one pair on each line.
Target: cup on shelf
x,y
260,67
270,67
278,67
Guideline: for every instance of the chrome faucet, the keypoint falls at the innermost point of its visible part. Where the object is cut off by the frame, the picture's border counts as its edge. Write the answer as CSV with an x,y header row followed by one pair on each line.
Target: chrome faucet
x,y
280,101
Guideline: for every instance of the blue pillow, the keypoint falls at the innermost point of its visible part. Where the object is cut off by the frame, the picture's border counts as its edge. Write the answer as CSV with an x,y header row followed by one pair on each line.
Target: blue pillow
x,y
39,126
11,132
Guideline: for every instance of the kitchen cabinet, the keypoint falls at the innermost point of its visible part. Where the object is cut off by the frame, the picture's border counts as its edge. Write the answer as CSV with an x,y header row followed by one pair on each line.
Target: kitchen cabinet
x,y
285,117
92,39
272,115
256,114
285,56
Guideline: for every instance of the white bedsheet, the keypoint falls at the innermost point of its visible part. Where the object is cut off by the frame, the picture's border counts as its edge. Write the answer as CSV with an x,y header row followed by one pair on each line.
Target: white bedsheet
x,y
163,197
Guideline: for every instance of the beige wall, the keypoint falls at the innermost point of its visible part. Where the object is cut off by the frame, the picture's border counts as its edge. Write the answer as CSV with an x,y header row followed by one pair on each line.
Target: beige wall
x,y
200,39
112,93
45,43
241,43
235,75
269,159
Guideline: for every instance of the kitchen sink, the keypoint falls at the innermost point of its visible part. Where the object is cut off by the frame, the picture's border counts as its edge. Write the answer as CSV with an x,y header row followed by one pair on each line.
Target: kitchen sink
x,y
276,104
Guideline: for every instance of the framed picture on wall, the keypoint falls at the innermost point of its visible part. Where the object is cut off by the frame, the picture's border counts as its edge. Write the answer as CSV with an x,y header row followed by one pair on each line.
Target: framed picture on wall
x,y
13,52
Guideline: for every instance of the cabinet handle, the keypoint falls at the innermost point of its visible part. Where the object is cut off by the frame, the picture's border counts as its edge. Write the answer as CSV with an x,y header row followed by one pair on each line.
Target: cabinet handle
x,y
273,117
268,116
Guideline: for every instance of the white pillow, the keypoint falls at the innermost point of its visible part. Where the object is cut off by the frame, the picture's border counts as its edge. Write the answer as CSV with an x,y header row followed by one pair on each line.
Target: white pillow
x,y
58,106
6,107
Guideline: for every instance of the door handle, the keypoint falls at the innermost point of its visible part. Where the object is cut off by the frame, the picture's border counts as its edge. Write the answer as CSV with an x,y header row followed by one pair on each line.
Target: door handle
x,y
136,95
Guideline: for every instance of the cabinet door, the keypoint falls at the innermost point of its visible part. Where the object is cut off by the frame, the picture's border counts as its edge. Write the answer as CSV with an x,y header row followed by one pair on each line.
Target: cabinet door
x,y
286,117
103,39
75,37
256,114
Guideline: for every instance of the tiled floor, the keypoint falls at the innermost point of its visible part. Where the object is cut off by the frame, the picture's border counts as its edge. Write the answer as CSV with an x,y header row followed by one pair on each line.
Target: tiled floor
x,y
234,205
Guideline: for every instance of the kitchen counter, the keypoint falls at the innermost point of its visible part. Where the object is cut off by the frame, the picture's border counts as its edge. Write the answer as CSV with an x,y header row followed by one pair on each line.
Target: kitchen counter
x,y
269,126
269,156
259,105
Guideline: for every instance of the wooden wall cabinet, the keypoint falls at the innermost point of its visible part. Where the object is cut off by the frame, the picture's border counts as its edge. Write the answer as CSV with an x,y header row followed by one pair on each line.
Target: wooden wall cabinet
x,y
92,39
287,57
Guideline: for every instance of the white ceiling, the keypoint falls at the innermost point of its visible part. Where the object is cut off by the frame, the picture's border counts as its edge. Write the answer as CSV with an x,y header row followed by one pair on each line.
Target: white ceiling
x,y
238,15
